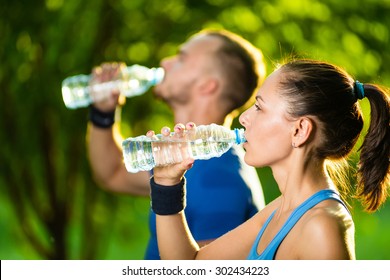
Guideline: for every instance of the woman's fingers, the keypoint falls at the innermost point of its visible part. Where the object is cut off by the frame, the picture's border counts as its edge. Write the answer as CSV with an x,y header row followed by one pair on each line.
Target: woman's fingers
x,y
190,125
179,131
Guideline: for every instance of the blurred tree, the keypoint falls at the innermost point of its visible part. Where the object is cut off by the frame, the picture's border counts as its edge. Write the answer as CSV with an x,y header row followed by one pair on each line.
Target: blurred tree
x,y
45,173
51,207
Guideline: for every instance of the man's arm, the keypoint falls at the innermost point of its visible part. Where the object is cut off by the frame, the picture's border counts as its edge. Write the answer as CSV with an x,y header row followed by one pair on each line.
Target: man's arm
x,y
106,160
104,143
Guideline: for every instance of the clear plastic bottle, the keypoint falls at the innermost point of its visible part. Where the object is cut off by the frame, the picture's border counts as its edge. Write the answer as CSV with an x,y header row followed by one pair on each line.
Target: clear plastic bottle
x,y
133,80
204,142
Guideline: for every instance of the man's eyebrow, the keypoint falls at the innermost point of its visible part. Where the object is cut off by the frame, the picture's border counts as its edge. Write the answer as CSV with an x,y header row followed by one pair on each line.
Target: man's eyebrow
x,y
181,50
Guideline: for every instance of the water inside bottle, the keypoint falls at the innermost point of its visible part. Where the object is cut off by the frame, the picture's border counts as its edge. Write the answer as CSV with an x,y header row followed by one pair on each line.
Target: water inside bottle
x,y
74,93
133,87
143,153
138,155
138,79
208,148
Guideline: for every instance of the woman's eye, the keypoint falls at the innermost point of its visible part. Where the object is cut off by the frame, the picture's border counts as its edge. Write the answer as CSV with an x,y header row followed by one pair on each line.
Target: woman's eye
x,y
257,107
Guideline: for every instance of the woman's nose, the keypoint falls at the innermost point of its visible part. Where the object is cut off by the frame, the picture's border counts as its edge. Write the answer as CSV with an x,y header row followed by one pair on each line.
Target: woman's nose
x,y
243,119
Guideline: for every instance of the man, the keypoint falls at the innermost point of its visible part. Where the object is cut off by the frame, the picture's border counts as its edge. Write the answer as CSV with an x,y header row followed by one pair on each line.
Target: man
x,y
212,76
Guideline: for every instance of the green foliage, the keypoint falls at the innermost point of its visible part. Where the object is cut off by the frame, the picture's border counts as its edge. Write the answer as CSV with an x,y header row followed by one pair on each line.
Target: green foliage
x,y
51,208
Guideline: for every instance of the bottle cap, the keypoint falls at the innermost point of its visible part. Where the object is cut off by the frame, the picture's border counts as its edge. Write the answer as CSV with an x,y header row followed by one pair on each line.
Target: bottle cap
x,y
158,75
240,137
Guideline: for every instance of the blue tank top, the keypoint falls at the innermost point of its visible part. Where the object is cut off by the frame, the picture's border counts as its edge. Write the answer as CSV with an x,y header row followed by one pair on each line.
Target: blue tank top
x,y
270,251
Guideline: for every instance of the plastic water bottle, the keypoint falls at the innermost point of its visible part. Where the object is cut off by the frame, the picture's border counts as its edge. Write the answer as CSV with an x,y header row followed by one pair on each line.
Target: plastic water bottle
x,y
77,91
204,142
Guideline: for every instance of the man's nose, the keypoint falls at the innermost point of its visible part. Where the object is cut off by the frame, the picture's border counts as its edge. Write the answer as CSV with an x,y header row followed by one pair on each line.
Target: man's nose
x,y
167,62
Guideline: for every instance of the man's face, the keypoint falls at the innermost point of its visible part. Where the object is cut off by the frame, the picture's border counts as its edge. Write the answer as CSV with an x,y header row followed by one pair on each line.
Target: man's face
x,y
185,70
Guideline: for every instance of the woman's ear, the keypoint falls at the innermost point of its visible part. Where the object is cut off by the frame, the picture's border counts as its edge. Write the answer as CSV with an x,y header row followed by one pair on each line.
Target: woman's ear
x,y
303,129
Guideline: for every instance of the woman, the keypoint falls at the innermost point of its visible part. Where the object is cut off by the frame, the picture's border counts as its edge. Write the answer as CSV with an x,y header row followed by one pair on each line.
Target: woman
x,y
305,118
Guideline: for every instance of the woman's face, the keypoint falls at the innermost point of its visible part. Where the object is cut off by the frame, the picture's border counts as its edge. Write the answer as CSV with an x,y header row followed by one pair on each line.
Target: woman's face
x,y
267,129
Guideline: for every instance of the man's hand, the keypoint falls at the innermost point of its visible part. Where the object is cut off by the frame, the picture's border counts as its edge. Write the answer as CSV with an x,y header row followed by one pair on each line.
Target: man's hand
x,y
105,73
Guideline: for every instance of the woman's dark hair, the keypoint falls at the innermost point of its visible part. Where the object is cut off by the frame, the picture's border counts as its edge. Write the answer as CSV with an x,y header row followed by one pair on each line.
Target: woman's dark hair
x,y
328,93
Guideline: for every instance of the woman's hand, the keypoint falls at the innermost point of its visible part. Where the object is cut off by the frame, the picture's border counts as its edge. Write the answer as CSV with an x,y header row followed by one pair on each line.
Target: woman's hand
x,y
172,174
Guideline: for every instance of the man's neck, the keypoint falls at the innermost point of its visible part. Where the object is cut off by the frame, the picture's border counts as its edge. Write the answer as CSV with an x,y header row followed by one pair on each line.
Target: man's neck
x,y
201,117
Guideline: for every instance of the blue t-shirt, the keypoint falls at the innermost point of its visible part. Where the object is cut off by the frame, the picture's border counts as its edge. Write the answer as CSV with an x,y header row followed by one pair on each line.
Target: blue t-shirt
x,y
219,198
270,251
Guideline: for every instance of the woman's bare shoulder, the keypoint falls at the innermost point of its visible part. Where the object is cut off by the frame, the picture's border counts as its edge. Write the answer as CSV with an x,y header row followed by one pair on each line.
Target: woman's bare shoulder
x,y
327,231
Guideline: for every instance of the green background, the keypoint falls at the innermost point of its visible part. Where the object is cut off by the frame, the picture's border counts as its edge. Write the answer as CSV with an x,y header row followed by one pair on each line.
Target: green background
x,y
50,207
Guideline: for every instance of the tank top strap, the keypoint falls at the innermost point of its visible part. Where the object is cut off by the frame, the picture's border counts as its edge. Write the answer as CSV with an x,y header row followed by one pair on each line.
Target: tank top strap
x,y
270,251
304,207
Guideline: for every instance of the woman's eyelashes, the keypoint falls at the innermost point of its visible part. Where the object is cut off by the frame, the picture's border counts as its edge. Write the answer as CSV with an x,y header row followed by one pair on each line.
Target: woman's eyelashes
x,y
257,107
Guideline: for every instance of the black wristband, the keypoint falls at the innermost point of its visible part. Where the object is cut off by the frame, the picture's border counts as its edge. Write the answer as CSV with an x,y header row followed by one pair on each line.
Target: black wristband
x,y
101,119
167,200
